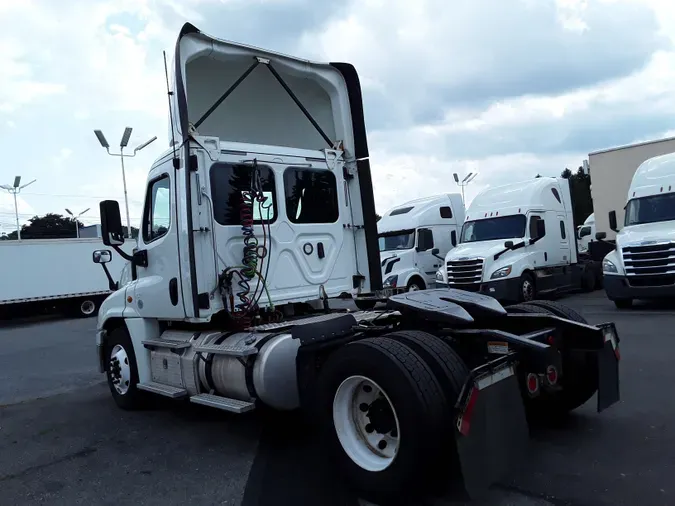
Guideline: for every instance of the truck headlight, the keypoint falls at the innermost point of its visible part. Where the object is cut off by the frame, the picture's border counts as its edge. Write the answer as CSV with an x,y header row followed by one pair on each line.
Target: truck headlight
x,y
439,277
608,266
390,282
501,273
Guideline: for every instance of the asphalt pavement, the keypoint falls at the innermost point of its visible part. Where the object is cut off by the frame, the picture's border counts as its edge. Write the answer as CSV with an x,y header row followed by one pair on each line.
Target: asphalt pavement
x,y
63,440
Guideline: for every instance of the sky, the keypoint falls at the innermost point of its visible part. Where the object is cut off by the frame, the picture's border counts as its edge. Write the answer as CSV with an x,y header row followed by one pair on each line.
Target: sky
x,y
507,88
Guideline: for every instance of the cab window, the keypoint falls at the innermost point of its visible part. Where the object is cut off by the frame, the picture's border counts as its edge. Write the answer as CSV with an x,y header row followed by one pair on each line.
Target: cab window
x,y
311,196
157,215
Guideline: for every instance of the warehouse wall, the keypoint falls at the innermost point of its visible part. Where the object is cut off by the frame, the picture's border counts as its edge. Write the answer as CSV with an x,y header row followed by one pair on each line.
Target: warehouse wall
x,y
611,173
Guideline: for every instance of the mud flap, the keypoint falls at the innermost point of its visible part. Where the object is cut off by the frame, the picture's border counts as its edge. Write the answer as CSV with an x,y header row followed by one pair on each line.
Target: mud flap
x,y
491,432
608,377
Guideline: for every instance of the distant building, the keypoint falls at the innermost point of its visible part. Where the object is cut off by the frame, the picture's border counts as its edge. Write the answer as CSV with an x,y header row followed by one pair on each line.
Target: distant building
x,y
611,172
90,231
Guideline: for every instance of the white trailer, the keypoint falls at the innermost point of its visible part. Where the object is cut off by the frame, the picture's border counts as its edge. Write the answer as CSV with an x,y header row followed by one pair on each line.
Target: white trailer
x,y
44,274
259,213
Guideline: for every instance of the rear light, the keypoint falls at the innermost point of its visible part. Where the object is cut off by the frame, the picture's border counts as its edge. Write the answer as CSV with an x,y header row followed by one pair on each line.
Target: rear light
x,y
551,375
532,383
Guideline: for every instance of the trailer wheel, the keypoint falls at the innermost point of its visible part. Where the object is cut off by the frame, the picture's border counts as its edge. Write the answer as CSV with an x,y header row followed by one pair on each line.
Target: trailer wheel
x,y
381,416
580,370
87,308
122,371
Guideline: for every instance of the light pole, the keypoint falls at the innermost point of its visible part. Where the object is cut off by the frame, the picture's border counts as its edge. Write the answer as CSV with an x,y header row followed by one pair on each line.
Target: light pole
x,y
77,225
469,177
15,190
123,144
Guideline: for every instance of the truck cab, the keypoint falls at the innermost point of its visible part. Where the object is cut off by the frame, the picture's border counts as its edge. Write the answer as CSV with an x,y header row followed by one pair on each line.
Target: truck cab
x,y
415,237
586,233
517,242
643,264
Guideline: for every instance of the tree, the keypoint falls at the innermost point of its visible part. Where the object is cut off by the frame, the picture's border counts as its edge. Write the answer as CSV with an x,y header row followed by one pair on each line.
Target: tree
x,y
49,226
377,217
580,188
538,175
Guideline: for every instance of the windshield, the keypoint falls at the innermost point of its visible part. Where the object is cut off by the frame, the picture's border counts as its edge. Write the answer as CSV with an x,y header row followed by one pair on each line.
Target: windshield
x,y
397,240
650,209
506,227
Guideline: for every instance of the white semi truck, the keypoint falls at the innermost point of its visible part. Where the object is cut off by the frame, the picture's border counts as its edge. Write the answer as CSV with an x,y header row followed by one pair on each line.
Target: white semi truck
x,y
518,242
259,213
586,233
44,275
415,237
643,264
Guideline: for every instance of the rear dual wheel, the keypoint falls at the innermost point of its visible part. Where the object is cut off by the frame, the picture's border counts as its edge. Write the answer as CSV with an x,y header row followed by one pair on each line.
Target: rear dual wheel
x,y
385,412
580,370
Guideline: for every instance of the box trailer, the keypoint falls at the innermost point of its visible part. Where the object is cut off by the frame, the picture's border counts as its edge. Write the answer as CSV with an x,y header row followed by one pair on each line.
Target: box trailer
x,y
44,275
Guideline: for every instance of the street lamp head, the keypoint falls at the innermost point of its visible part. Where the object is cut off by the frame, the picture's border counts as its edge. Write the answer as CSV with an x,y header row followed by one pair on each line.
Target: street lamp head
x,y
87,209
6,187
125,137
467,177
17,181
472,177
101,138
145,144
69,212
456,177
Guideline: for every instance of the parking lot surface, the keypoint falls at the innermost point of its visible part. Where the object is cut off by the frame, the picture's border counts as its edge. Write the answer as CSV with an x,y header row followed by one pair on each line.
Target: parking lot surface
x,y
63,441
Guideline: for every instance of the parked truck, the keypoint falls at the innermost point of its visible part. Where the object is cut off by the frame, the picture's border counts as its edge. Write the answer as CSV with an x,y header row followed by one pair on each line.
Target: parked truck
x,y
415,237
643,264
44,275
586,233
257,216
518,242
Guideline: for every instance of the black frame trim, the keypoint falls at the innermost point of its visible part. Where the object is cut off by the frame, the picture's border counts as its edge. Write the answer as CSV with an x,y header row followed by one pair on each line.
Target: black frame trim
x,y
351,78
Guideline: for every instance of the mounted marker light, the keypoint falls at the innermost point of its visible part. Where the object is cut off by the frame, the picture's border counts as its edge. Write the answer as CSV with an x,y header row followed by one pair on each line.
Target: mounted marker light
x,y
532,383
551,375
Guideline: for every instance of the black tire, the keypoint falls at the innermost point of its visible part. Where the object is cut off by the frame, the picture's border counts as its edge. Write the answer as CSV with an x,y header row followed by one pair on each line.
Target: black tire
x,y
364,304
623,303
558,309
527,288
588,281
86,308
415,281
580,370
418,401
133,398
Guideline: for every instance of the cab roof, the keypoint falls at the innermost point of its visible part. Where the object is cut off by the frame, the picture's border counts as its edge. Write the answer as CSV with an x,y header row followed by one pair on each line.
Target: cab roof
x,y
653,176
421,212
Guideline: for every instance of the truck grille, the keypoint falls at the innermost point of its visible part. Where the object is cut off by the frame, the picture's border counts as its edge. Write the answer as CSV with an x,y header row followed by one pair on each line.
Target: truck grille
x,y
465,274
645,264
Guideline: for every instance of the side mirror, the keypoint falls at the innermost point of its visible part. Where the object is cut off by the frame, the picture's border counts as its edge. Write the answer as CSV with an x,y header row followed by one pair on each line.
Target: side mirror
x,y
435,251
508,244
600,236
111,223
612,221
453,238
102,256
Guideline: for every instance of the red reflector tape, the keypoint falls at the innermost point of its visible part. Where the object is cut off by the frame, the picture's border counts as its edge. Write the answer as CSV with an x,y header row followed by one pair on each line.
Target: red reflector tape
x,y
464,420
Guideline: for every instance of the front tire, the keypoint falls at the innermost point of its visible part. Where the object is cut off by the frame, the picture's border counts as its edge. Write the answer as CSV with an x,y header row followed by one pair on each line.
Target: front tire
x,y
122,370
528,290
381,413
414,285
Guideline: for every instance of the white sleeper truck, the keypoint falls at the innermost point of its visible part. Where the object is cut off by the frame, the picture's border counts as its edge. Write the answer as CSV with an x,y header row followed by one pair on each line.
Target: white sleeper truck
x,y
261,211
415,237
518,242
643,264
586,233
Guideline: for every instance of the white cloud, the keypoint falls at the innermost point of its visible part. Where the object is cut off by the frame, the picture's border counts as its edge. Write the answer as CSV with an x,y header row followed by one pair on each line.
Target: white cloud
x,y
510,88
